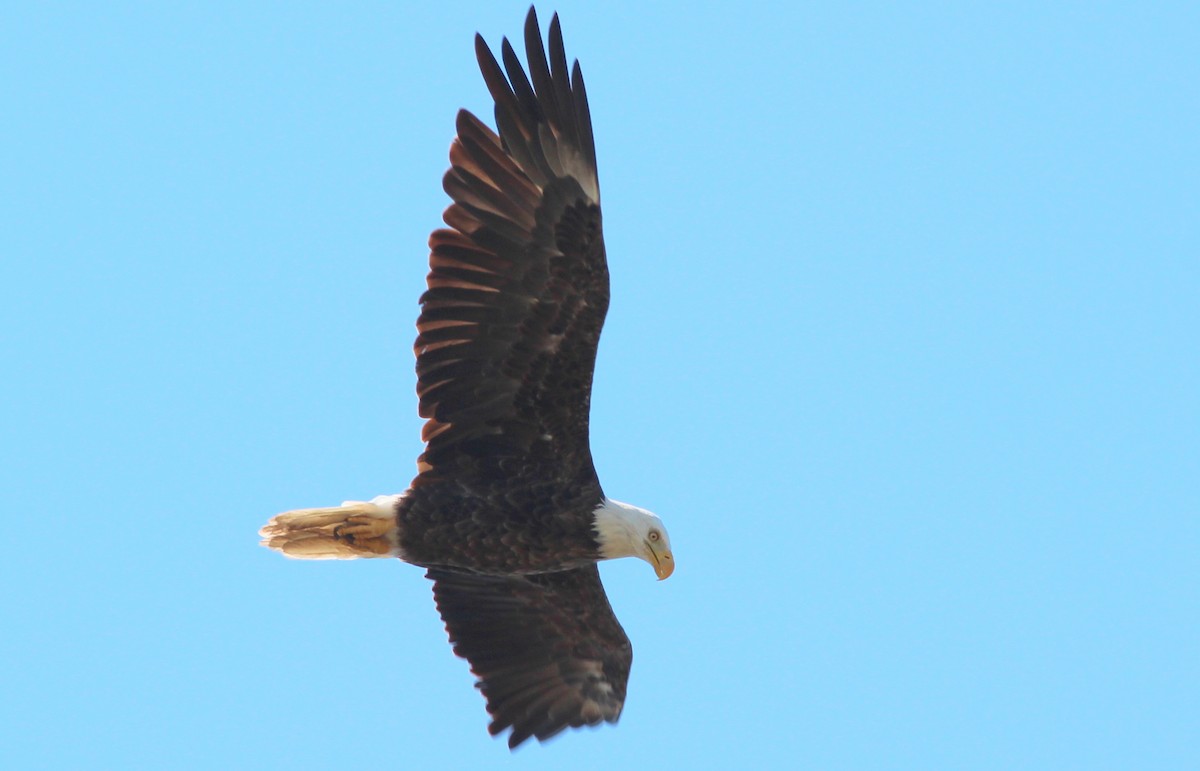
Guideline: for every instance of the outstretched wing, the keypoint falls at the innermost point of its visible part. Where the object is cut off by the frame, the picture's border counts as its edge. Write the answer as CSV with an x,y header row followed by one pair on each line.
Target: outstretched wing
x,y
546,649
518,285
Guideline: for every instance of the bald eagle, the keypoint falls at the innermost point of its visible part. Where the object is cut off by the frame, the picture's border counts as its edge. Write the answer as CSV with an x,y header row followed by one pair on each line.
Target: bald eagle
x,y
506,513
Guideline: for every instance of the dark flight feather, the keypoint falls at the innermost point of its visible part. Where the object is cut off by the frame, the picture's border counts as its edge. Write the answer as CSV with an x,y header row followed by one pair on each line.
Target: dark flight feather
x,y
547,650
525,247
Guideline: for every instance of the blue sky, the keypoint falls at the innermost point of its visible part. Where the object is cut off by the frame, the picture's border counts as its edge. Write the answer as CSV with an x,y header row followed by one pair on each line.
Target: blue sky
x,y
903,347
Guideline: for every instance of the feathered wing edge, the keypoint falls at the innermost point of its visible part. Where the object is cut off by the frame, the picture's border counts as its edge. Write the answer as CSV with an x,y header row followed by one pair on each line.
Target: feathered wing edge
x,y
547,649
543,118
522,261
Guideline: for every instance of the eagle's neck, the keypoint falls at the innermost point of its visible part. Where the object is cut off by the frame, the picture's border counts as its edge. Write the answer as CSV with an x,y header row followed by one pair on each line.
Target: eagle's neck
x,y
620,529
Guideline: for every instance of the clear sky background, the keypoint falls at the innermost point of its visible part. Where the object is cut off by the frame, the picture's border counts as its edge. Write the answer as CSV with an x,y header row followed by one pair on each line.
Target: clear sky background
x,y
903,346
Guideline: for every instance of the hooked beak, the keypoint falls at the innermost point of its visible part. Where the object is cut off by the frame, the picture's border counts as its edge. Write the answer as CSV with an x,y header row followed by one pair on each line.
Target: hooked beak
x,y
664,563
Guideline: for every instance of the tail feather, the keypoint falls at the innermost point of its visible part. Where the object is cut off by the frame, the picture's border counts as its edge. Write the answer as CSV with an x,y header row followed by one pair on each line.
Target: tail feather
x,y
350,531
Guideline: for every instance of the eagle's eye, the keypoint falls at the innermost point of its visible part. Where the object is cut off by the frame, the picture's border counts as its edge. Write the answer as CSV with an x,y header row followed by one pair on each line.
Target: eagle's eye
x,y
654,536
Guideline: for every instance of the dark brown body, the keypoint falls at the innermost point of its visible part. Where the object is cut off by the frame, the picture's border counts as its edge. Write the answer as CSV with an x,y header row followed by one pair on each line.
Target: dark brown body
x,y
534,528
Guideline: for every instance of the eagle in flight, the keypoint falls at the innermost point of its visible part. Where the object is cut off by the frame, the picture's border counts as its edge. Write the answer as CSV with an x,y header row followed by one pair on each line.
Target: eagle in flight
x,y
506,513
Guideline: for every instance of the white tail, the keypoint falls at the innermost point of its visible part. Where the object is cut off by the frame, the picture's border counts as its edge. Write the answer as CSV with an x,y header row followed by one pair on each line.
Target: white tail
x,y
350,531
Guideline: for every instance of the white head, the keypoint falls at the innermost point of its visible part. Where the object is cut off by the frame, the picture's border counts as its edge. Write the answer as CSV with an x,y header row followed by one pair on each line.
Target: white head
x,y
627,531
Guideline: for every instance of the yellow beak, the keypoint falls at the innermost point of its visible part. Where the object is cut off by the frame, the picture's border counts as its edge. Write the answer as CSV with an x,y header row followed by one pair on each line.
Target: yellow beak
x,y
664,563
